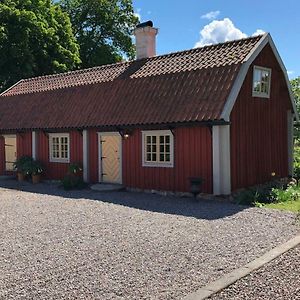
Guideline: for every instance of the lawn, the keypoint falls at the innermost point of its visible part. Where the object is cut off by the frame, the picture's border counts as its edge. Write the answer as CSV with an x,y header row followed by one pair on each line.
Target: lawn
x,y
293,206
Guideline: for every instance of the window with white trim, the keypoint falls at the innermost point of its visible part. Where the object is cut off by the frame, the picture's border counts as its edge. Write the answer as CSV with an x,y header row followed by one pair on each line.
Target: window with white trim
x,y
59,144
158,148
261,82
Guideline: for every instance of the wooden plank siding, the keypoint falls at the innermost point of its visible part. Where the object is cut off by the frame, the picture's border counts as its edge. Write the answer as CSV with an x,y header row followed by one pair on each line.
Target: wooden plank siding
x,y
259,128
2,155
24,144
192,157
55,170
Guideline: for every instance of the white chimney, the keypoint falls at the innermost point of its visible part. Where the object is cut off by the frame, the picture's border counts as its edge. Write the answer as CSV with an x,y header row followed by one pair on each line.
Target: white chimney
x,y
145,37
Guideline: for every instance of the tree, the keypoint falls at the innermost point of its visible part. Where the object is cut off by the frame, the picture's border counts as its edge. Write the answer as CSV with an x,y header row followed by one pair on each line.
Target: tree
x,y
36,38
103,29
295,83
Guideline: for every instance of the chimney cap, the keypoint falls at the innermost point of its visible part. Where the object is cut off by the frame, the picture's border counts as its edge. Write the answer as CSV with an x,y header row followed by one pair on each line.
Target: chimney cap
x,y
145,24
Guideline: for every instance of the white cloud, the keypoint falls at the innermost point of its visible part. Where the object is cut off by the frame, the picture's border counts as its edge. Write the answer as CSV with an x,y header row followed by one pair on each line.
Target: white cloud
x,y
219,31
290,72
138,14
211,15
258,32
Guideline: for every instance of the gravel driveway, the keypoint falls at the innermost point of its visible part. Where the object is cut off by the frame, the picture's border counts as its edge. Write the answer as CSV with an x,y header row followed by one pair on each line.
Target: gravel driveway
x,y
279,279
88,245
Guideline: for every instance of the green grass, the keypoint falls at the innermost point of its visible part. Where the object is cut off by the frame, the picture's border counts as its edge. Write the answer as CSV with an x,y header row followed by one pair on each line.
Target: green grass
x,y
293,206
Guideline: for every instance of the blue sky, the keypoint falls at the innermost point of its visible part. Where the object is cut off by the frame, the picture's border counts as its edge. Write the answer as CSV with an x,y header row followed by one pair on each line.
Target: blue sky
x,y
180,23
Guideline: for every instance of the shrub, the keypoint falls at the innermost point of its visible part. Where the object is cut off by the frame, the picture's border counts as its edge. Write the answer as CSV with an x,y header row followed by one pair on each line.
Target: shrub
x,y
291,193
21,164
34,167
73,179
71,182
75,168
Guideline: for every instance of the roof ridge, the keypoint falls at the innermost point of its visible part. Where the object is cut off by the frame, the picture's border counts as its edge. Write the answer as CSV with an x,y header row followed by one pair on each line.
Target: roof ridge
x,y
148,58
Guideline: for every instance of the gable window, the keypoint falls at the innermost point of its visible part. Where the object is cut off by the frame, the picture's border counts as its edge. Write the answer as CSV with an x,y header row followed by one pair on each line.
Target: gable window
x,y
158,148
261,82
59,144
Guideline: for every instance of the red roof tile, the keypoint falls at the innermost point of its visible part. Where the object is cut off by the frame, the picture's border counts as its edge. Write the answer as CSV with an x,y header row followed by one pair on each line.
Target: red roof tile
x,y
179,87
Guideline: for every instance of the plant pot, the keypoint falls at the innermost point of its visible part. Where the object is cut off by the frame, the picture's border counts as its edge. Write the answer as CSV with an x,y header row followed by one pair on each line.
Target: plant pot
x,y
21,176
36,179
195,185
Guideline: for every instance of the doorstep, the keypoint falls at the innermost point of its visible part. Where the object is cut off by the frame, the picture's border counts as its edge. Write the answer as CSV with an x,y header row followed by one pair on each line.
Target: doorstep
x,y
107,187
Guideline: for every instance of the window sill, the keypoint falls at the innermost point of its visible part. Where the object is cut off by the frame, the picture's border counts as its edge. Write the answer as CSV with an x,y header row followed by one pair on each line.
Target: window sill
x,y
63,161
157,165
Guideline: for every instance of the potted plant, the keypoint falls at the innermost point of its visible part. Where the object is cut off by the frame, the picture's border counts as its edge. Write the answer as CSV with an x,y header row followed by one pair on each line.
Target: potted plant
x,y
20,166
196,185
35,169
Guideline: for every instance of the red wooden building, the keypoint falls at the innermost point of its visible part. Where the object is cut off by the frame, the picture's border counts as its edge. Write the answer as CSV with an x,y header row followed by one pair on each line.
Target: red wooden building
x,y
223,112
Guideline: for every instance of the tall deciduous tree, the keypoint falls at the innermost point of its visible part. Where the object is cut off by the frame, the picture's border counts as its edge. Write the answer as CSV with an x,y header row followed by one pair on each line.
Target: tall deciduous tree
x,y
103,29
295,83
36,38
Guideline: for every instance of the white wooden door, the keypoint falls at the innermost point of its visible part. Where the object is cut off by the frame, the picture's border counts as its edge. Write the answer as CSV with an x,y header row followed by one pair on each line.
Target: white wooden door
x,y
10,151
110,160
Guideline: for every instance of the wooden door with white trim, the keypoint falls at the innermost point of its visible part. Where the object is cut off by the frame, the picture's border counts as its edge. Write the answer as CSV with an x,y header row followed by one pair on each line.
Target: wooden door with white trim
x,y
10,151
110,160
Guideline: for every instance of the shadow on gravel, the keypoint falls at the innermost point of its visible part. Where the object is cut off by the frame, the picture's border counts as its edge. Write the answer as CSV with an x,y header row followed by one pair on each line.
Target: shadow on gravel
x,y
189,207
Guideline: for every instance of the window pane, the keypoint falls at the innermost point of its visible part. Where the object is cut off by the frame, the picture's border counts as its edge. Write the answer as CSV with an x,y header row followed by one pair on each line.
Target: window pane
x,y
153,157
148,148
162,139
154,139
167,148
148,139
161,157
167,157
167,139
148,156
161,148
154,148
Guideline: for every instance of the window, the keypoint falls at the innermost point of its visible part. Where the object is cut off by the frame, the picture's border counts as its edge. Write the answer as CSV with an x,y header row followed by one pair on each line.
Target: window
x,y
59,144
158,148
261,82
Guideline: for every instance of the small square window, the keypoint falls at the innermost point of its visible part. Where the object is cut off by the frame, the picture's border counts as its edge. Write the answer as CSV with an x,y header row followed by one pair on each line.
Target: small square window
x,y
261,82
59,147
158,148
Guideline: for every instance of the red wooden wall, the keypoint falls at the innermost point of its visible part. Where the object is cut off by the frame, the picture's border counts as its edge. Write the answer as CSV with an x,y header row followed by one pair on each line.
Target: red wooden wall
x,y
192,157
2,155
259,129
24,144
58,170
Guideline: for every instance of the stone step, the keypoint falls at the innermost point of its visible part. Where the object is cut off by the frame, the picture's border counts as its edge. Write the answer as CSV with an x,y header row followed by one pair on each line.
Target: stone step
x,y
107,187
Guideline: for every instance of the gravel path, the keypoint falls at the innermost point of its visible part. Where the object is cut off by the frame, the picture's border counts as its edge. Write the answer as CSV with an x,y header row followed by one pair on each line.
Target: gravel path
x,y
89,245
279,279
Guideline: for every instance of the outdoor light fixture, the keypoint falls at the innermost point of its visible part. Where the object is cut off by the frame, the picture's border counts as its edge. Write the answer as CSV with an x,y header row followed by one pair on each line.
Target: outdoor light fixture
x,y
125,133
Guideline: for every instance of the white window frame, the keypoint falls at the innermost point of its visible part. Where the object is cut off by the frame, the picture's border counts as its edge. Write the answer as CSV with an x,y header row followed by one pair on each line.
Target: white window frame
x,y
157,133
60,159
261,94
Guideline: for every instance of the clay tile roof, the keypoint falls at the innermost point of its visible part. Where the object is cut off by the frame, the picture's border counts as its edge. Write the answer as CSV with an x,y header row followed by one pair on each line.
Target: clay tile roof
x,y
183,86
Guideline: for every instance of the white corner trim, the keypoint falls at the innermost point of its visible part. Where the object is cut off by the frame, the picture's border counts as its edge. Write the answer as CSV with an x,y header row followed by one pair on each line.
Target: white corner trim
x,y
221,160
241,77
277,55
34,145
290,136
85,158
266,38
4,92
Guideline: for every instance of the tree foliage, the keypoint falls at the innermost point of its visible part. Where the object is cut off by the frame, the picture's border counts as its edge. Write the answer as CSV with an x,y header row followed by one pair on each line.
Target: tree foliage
x,y
102,28
36,38
295,83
